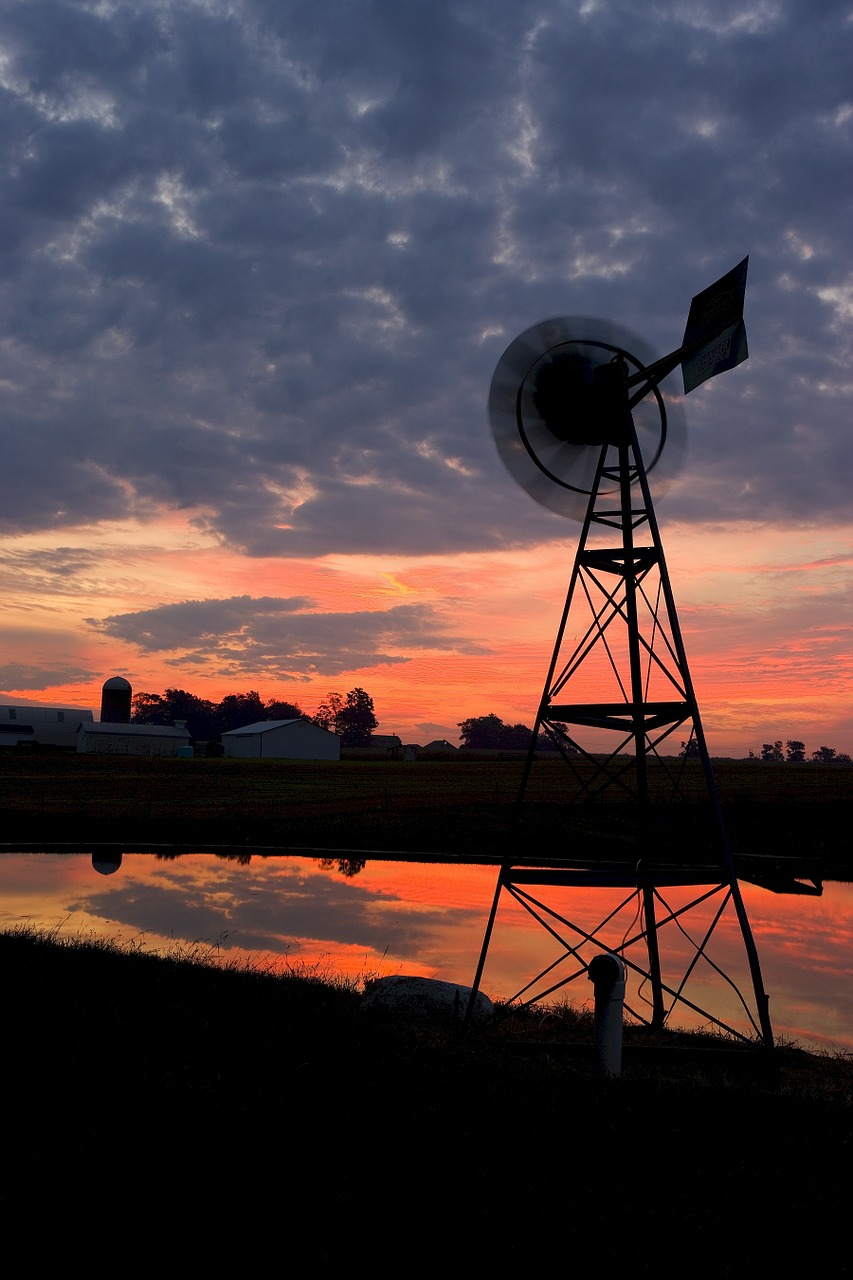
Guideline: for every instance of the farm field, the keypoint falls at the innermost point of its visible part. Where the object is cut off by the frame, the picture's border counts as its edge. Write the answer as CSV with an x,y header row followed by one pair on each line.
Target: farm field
x,y
459,807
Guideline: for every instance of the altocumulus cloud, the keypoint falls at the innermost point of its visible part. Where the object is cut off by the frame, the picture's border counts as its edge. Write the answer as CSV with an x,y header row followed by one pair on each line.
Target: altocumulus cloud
x,y
281,638
258,260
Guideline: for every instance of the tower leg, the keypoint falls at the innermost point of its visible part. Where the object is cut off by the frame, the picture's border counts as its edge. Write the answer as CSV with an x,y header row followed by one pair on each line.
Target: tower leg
x,y
490,924
658,1011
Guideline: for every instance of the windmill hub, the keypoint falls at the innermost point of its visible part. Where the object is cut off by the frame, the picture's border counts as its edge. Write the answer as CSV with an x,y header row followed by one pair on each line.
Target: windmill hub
x,y
580,399
563,391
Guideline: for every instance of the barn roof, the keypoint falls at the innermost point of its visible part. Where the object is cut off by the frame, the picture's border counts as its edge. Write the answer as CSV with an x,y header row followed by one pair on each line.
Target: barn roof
x,y
134,730
264,726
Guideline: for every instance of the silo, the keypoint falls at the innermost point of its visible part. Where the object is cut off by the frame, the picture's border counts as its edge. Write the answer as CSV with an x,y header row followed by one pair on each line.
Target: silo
x,y
115,701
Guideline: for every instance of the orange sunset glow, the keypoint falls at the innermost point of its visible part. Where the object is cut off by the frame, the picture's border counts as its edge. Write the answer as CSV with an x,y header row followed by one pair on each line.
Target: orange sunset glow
x,y
763,619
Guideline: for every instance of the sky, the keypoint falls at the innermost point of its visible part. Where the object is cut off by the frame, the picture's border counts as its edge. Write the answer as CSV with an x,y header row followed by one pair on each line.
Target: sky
x,y
258,263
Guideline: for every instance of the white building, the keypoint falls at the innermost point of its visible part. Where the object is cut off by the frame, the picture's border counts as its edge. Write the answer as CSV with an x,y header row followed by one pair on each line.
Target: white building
x,y
49,726
134,739
281,740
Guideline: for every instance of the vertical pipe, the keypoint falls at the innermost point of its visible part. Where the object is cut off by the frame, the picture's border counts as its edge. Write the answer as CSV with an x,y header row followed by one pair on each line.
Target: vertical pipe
x,y
607,974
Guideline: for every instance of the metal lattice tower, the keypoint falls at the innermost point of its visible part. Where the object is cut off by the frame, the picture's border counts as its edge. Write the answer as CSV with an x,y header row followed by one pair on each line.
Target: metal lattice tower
x,y
618,687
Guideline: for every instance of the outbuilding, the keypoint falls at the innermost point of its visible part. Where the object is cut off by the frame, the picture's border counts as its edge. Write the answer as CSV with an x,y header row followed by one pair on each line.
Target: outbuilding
x,y
37,724
282,740
134,739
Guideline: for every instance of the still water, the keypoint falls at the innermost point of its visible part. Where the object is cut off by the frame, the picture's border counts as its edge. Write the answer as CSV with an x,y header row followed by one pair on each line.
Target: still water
x,y
385,917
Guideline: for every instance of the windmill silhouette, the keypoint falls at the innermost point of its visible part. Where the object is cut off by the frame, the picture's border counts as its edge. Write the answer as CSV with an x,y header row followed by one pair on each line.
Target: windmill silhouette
x,y
581,422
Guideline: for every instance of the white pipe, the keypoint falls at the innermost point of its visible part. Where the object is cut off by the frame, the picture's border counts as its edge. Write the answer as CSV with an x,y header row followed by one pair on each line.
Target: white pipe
x,y
607,974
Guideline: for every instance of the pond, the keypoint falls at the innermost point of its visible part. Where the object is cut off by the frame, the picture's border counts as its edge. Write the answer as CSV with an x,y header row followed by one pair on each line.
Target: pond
x,y
360,920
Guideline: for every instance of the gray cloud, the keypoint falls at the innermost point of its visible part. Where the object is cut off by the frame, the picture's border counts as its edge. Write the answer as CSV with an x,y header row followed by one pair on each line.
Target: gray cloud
x,y
265,265
299,905
22,675
279,638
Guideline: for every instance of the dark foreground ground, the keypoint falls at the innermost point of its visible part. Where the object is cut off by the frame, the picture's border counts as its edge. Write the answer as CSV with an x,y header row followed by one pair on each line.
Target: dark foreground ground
x,y
166,1117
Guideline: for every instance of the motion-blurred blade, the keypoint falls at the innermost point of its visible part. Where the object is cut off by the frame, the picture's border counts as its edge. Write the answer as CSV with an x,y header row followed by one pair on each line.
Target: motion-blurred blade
x,y
550,461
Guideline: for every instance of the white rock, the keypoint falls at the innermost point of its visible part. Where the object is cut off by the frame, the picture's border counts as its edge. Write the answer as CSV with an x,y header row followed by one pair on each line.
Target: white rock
x,y
426,999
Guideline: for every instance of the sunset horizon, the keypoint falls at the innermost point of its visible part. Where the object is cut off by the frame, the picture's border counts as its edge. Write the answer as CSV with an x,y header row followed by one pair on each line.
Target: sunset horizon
x,y
258,274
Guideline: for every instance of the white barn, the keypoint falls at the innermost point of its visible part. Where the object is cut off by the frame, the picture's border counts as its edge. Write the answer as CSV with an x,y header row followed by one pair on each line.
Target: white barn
x,y
134,739
281,740
49,726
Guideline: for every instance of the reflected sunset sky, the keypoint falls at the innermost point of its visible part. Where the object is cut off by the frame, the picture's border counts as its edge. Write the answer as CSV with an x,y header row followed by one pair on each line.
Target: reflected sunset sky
x,y
256,274
422,919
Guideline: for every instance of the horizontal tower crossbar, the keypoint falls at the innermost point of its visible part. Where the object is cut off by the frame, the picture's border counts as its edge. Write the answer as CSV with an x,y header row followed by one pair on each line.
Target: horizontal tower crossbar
x,y
622,716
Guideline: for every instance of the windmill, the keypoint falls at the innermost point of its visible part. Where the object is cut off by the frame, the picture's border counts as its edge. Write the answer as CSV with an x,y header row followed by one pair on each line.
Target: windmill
x,y
581,421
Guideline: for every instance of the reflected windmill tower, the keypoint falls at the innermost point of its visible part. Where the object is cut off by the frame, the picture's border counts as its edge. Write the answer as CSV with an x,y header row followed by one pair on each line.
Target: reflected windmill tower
x,y
581,422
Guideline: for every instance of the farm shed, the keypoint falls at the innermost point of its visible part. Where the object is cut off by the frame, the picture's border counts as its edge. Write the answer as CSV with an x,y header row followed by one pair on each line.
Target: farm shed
x,y
281,740
132,739
49,726
381,746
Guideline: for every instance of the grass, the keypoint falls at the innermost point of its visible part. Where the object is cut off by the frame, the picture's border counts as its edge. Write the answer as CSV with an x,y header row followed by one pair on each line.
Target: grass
x,y
174,1113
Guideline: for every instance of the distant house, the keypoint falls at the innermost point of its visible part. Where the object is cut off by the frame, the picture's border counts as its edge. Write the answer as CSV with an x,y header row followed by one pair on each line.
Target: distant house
x,y
439,744
134,739
48,726
381,745
281,740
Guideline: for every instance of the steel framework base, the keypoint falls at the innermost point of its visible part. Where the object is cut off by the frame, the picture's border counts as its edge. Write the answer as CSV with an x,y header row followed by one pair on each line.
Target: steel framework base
x,y
619,636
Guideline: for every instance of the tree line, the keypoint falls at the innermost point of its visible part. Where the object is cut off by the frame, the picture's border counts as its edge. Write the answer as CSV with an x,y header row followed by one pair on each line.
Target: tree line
x,y
489,733
795,753
351,716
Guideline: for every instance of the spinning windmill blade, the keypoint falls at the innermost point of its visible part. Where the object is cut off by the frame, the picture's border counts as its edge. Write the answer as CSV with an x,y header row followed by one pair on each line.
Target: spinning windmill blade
x,y
560,392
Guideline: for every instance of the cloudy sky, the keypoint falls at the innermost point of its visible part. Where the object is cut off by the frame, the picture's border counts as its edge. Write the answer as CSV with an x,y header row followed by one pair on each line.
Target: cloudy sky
x,y
259,262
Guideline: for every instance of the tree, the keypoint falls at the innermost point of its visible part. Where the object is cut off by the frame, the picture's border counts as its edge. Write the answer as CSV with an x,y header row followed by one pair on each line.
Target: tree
x,y
353,718
200,715
689,750
795,751
274,709
356,720
146,708
489,733
239,709
557,739
326,715
482,733
824,755
516,737
772,751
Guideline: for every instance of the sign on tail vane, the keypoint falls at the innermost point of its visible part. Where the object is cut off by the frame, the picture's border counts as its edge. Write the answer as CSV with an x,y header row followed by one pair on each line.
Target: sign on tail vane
x,y
715,321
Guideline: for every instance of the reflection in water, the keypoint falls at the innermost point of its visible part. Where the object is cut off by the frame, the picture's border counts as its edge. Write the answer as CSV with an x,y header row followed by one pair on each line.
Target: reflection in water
x,y
106,861
347,866
375,918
